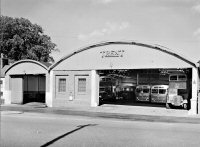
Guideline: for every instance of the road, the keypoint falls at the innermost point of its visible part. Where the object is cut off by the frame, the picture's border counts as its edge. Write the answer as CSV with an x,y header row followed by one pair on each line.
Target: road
x,y
37,129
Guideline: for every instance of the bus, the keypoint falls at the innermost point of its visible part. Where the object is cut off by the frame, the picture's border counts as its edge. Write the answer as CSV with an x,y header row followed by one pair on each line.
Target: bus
x,y
106,92
142,93
178,91
159,93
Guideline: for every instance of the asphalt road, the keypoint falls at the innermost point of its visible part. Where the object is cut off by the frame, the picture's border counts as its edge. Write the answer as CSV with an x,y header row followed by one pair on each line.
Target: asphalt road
x,y
38,129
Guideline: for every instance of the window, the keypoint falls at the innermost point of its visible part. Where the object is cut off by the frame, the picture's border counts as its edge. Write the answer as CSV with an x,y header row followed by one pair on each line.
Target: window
x,y
139,90
82,85
178,78
154,91
162,91
173,78
62,85
105,79
146,90
182,78
1,84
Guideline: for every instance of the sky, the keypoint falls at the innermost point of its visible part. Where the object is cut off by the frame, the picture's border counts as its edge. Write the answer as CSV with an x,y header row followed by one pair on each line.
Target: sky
x,y
73,24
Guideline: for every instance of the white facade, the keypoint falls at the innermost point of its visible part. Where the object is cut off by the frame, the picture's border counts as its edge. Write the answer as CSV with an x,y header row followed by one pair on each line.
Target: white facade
x,y
74,79
117,55
23,78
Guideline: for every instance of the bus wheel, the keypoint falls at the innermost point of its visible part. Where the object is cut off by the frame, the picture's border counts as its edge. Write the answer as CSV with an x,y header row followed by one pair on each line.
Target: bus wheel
x,y
185,106
168,105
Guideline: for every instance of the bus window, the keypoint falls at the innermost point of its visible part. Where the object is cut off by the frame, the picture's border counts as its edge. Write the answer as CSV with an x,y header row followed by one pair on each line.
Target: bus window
x,y
182,91
178,93
162,91
139,90
154,91
146,90
173,78
182,78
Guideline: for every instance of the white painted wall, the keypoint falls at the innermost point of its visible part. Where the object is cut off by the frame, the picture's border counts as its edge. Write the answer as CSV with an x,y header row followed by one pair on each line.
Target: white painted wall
x,y
94,88
130,57
22,68
195,87
26,68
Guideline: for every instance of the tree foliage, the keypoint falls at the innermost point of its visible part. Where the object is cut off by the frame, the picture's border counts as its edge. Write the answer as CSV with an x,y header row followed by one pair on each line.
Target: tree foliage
x,y
20,39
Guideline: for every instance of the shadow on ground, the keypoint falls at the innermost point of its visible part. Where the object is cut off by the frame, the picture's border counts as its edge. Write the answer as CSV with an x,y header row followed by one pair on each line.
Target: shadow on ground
x,y
66,134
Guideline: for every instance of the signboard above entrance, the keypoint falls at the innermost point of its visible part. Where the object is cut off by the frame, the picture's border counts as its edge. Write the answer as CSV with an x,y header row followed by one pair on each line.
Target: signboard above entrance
x,y
112,53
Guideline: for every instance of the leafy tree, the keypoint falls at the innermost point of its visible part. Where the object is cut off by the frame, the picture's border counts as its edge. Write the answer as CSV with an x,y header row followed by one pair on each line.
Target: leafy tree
x,y
20,39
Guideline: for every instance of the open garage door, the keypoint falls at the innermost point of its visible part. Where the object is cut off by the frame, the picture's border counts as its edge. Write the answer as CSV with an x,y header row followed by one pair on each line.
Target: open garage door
x,y
34,88
146,87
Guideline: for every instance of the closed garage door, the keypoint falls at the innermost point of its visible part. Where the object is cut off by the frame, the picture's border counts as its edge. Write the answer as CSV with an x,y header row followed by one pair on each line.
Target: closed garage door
x,y
17,90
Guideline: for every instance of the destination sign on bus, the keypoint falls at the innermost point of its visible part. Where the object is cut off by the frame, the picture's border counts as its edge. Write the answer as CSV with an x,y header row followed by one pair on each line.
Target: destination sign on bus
x,y
178,85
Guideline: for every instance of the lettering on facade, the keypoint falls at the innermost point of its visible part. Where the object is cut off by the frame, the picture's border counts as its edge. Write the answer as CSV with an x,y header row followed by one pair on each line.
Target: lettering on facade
x,y
105,54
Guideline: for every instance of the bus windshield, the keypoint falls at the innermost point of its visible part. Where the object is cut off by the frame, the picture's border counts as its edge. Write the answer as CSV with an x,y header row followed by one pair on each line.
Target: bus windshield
x,y
162,91
146,90
139,90
154,91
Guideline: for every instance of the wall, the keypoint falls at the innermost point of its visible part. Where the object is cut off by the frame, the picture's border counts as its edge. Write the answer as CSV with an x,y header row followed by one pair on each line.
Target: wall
x,y
71,97
120,57
22,68
26,68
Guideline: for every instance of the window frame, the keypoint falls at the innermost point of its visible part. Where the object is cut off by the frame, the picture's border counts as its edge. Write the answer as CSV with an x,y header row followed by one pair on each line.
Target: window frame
x,y
78,85
65,88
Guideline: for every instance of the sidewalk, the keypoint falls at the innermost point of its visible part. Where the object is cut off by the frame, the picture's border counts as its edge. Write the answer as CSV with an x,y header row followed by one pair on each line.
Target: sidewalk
x,y
135,113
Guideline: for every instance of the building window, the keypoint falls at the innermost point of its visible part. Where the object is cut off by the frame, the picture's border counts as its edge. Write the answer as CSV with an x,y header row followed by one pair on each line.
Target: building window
x,y
82,85
62,85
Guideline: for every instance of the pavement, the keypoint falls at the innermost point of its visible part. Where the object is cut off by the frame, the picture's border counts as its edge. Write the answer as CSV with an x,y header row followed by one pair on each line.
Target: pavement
x,y
133,113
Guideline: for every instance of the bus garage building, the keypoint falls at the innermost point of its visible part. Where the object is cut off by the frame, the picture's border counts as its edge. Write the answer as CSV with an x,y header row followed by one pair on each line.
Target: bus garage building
x,y
77,79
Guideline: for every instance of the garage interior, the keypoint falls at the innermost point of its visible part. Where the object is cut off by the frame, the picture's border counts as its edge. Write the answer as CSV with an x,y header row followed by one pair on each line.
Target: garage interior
x,y
120,86
34,88
28,88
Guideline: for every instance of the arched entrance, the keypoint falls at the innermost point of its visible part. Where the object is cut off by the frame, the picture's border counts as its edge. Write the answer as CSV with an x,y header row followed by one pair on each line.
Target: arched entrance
x,y
26,82
134,58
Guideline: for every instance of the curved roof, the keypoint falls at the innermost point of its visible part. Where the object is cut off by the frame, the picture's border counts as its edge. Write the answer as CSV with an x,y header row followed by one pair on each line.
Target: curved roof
x,y
27,60
155,47
3,70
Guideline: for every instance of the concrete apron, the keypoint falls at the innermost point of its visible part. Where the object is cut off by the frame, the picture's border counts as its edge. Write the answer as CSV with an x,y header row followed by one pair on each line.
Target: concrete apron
x,y
142,110
137,110
110,108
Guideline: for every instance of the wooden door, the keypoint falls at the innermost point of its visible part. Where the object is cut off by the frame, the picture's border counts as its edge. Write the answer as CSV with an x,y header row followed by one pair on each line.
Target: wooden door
x,y
17,90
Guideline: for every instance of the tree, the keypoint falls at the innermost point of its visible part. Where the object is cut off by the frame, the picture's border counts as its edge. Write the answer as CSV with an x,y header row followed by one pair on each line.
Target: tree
x,y
20,39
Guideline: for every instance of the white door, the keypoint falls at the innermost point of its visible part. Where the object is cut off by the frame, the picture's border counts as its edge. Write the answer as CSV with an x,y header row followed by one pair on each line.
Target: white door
x,y
17,90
